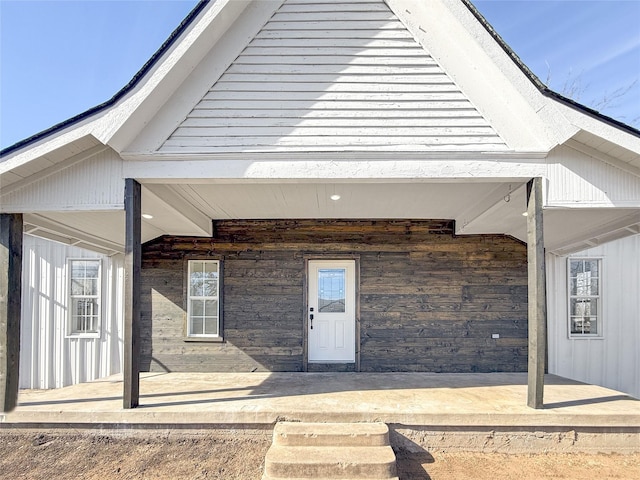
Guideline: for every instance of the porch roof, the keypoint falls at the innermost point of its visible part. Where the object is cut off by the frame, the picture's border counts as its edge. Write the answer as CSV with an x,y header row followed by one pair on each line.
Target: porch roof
x,y
69,181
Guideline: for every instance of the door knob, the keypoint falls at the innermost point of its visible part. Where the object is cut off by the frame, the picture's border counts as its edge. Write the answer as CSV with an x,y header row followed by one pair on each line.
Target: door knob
x,y
311,319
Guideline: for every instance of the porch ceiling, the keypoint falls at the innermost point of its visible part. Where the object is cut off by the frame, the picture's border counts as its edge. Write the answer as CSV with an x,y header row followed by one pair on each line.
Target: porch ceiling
x,y
477,208
313,200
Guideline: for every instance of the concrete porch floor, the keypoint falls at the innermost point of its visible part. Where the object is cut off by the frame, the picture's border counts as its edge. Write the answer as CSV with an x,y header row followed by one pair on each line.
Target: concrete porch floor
x,y
196,400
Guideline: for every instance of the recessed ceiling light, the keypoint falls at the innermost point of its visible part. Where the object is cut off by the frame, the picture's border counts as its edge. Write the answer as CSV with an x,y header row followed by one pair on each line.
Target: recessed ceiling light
x,y
335,197
525,214
148,216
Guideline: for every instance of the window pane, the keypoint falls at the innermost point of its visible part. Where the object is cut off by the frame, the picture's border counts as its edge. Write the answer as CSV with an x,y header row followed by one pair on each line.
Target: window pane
x,y
210,288
197,325
584,285
204,279
91,286
584,325
211,308
84,314
592,266
84,277
577,266
77,269
211,326
197,308
211,269
196,283
331,293
584,316
584,307
77,287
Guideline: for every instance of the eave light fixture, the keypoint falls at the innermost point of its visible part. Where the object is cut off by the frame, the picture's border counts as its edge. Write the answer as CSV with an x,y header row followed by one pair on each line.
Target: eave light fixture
x,y
148,216
335,197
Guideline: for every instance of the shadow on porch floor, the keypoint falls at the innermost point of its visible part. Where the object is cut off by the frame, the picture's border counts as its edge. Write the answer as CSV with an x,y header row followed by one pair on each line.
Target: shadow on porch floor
x,y
491,399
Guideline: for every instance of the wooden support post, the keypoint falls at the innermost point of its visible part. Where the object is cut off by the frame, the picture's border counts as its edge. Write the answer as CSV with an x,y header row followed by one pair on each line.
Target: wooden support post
x,y
132,268
537,295
10,307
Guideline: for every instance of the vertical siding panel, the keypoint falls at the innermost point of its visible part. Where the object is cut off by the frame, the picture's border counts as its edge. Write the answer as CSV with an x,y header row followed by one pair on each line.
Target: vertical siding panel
x,y
60,313
48,358
45,322
73,186
614,360
577,177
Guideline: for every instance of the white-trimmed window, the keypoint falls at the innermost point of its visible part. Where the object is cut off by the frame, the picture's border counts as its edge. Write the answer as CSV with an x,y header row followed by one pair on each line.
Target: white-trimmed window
x,y
585,297
203,295
84,297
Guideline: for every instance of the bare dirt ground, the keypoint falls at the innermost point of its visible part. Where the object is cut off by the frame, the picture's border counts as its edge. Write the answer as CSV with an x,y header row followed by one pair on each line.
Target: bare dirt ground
x,y
230,456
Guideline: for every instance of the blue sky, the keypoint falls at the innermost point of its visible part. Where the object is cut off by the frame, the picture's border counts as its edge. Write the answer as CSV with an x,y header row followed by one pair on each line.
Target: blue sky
x,y
60,58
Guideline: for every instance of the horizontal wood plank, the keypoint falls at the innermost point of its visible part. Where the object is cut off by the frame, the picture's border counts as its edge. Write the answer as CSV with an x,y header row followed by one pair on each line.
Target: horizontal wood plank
x,y
349,25
323,31
338,97
429,301
372,69
295,131
336,78
324,88
409,114
328,41
209,122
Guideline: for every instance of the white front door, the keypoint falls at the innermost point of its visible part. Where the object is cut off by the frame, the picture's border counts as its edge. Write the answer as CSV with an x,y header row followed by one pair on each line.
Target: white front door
x,y
332,311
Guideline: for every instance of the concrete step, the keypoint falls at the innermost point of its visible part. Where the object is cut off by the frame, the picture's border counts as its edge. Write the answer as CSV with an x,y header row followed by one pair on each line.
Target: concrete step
x,y
264,477
289,462
300,434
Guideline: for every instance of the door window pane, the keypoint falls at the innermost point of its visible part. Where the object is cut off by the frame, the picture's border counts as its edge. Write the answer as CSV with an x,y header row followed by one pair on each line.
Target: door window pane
x,y
331,290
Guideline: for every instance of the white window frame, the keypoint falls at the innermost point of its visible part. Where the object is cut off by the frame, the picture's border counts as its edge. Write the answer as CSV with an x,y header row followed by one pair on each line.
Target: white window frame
x,y
71,331
189,325
599,320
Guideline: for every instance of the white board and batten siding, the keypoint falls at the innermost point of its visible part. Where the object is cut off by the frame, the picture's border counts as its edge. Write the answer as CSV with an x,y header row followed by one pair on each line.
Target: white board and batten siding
x,y
612,361
333,76
71,187
578,179
48,357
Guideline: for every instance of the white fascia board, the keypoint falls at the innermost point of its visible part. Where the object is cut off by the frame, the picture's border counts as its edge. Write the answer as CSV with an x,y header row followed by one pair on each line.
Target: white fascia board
x,y
76,133
46,172
582,121
121,127
223,50
481,68
130,114
443,168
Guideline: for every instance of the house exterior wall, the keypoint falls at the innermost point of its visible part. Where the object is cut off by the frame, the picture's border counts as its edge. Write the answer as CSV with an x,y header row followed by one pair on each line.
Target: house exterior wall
x,y
577,179
93,183
48,357
613,360
428,300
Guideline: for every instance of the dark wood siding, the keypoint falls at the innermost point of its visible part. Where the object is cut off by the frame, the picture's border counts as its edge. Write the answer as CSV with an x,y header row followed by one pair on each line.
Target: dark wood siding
x,y
429,300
